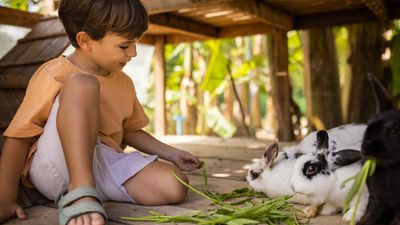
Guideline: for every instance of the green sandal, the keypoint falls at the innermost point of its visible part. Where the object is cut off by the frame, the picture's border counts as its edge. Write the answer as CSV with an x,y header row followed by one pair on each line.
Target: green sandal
x,y
67,211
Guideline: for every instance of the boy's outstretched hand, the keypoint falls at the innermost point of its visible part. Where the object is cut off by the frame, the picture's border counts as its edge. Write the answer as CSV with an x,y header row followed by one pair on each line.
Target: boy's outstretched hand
x,y
184,160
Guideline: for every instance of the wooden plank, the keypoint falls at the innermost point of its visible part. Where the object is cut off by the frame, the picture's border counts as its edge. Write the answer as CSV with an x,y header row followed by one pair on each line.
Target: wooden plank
x,y
23,63
378,7
14,81
160,120
18,18
185,26
162,6
42,37
244,30
265,13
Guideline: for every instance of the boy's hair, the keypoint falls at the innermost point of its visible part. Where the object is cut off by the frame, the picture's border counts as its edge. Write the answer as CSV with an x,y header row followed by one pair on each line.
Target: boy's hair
x,y
128,18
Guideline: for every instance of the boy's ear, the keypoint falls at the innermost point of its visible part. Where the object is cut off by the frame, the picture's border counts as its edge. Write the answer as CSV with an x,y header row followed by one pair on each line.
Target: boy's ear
x,y
84,40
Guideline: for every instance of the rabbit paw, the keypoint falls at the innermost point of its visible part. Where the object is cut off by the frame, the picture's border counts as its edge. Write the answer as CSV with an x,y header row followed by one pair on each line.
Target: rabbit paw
x,y
312,210
329,209
349,214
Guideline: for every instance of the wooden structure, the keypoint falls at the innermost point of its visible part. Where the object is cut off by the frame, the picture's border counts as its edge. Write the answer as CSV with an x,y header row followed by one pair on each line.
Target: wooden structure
x,y
175,21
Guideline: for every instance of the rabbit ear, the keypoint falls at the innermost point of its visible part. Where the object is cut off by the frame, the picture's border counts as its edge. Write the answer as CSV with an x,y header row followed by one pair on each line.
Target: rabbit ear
x,y
344,157
271,153
322,141
382,97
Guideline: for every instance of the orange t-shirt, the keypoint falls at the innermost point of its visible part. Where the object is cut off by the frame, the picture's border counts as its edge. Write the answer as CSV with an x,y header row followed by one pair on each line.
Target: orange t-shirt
x,y
120,109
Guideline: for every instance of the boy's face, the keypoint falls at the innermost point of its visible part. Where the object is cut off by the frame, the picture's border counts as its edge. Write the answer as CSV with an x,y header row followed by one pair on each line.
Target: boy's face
x,y
112,52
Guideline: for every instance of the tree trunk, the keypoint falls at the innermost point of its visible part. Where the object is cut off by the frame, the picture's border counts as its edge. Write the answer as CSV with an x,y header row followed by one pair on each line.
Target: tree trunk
x,y
322,84
366,48
188,89
160,120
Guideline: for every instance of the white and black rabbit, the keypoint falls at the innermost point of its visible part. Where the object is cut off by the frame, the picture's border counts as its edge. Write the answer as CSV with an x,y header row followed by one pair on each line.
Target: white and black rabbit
x,y
319,175
382,142
272,173
273,178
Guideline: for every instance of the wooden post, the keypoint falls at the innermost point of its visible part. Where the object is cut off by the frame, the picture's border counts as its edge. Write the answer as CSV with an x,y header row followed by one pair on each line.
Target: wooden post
x,y
159,72
280,86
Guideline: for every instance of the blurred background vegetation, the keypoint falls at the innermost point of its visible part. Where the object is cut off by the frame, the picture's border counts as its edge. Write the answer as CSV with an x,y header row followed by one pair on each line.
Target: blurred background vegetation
x,y
222,87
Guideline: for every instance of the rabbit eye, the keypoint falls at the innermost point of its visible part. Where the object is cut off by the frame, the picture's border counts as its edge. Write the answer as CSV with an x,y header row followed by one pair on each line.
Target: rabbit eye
x,y
311,170
254,174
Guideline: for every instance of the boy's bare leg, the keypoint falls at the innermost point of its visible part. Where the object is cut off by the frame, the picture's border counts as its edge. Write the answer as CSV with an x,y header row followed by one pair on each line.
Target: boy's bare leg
x,y
78,125
155,185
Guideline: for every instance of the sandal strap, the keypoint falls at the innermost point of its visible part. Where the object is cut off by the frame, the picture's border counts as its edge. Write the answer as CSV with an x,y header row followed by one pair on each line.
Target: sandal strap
x,y
72,211
68,198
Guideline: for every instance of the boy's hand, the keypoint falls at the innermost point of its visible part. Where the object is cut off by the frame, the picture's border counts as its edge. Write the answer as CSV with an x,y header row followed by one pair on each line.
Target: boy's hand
x,y
184,160
9,209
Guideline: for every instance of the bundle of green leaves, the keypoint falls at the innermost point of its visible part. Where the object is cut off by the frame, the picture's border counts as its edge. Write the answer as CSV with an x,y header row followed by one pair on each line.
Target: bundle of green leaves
x,y
251,209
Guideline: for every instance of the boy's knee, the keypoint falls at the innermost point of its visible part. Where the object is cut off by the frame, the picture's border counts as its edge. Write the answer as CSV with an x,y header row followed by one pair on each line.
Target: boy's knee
x,y
82,82
176,192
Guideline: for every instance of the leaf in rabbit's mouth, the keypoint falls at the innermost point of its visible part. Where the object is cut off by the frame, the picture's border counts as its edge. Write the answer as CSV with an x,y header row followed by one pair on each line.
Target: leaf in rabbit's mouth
x,y
358,186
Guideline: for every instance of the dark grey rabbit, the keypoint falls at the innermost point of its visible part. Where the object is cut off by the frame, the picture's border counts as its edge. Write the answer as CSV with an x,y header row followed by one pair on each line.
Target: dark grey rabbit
x,y
382,142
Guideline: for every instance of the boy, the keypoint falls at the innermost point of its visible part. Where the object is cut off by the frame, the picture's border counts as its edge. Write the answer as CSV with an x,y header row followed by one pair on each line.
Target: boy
x,y
78,114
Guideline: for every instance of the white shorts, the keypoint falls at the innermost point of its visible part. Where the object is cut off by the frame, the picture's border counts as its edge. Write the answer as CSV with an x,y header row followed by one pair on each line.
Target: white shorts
x,y
49,173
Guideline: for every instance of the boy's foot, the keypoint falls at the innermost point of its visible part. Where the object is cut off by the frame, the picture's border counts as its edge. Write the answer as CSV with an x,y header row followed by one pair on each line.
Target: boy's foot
x,y
89,218
81,206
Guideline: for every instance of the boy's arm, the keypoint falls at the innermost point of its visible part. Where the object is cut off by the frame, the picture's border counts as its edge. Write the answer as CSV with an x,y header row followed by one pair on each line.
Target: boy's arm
x,y
146,143
13,156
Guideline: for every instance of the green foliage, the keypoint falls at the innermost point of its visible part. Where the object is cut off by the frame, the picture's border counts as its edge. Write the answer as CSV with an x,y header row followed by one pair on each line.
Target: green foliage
x,y
16,4
19,4
218,123
296,69
217,68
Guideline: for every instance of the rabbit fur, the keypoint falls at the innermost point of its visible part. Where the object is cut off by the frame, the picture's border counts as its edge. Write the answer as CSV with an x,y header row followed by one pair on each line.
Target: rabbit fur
x,y
382,143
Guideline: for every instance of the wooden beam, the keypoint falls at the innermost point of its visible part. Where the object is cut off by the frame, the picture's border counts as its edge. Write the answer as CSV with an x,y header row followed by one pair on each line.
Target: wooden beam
x,y
18,18
264,13
184,25
147,39
245,30
334,19
163,6
378,7
14,81
341,18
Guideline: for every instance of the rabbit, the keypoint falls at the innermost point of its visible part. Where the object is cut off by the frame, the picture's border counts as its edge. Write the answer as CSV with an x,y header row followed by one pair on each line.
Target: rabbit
x,y
272,173
345,136
382,143
319,175
273,178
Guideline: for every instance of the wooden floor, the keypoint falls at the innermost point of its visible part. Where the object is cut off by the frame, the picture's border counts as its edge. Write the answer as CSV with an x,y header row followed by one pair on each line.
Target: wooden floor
x,y
226,163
